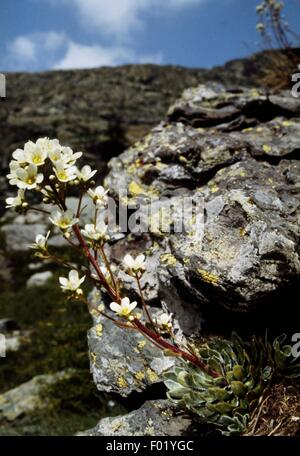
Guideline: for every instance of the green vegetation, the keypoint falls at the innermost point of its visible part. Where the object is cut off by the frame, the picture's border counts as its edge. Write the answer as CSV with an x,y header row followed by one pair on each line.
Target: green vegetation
x,y
58,341
243,371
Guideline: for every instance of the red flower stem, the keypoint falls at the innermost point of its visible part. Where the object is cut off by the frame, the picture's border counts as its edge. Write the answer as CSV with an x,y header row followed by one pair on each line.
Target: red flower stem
x,y
167,346
94,263
153,336
144,303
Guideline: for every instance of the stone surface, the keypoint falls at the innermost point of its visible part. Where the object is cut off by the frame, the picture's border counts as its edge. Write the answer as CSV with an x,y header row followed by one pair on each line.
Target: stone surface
x,y
154,418
39,279
238,152
20,237
28,396
122,361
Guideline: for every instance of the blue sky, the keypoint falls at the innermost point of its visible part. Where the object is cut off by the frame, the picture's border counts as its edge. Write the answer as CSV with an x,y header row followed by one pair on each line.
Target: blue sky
x,y
38,35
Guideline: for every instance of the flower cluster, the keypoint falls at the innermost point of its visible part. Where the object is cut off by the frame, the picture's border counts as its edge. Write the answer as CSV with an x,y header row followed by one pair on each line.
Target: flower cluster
x,y
45,165
49,168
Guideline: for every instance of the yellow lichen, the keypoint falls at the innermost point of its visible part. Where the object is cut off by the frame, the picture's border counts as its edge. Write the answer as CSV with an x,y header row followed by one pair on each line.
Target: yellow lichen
x,y
141,344
152,376
140,376
242,232
135,189
117,425
99,330
214,188
266,148
168,259
208,276
254,93
93,358
122,383
183,159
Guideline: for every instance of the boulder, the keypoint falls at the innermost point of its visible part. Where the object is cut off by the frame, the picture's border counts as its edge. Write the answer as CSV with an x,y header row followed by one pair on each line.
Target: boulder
x,y
237,152
38,279
28,397
122,361
154,418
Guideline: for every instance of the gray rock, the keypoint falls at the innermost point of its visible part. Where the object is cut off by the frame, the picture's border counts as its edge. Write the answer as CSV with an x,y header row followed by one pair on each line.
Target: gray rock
x,y
28,397
39,279
16,339
243,166
19,237
123,361
154,418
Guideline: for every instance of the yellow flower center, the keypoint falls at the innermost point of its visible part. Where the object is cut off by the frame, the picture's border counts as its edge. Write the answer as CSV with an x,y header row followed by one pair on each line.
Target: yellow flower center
x,y
37,159
62,175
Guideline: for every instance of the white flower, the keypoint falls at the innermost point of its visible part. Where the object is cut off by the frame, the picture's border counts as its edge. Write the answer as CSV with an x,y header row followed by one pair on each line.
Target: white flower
x,y
164,321
96,232
99,195
20,156
124,309
52,147
72,283
260,27
64,219
27,178
16,201
260,8
135,265
85,174
35,154
63,173
68,157
40,242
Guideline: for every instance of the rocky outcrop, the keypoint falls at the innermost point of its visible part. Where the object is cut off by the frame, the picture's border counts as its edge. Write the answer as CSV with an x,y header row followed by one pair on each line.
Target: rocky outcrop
x,y
154,418
122,362
238,152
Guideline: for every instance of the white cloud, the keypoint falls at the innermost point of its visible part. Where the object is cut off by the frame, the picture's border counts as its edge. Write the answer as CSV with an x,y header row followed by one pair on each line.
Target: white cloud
x,y
81,56
22,49
57,51
120,17
117,19
25,51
